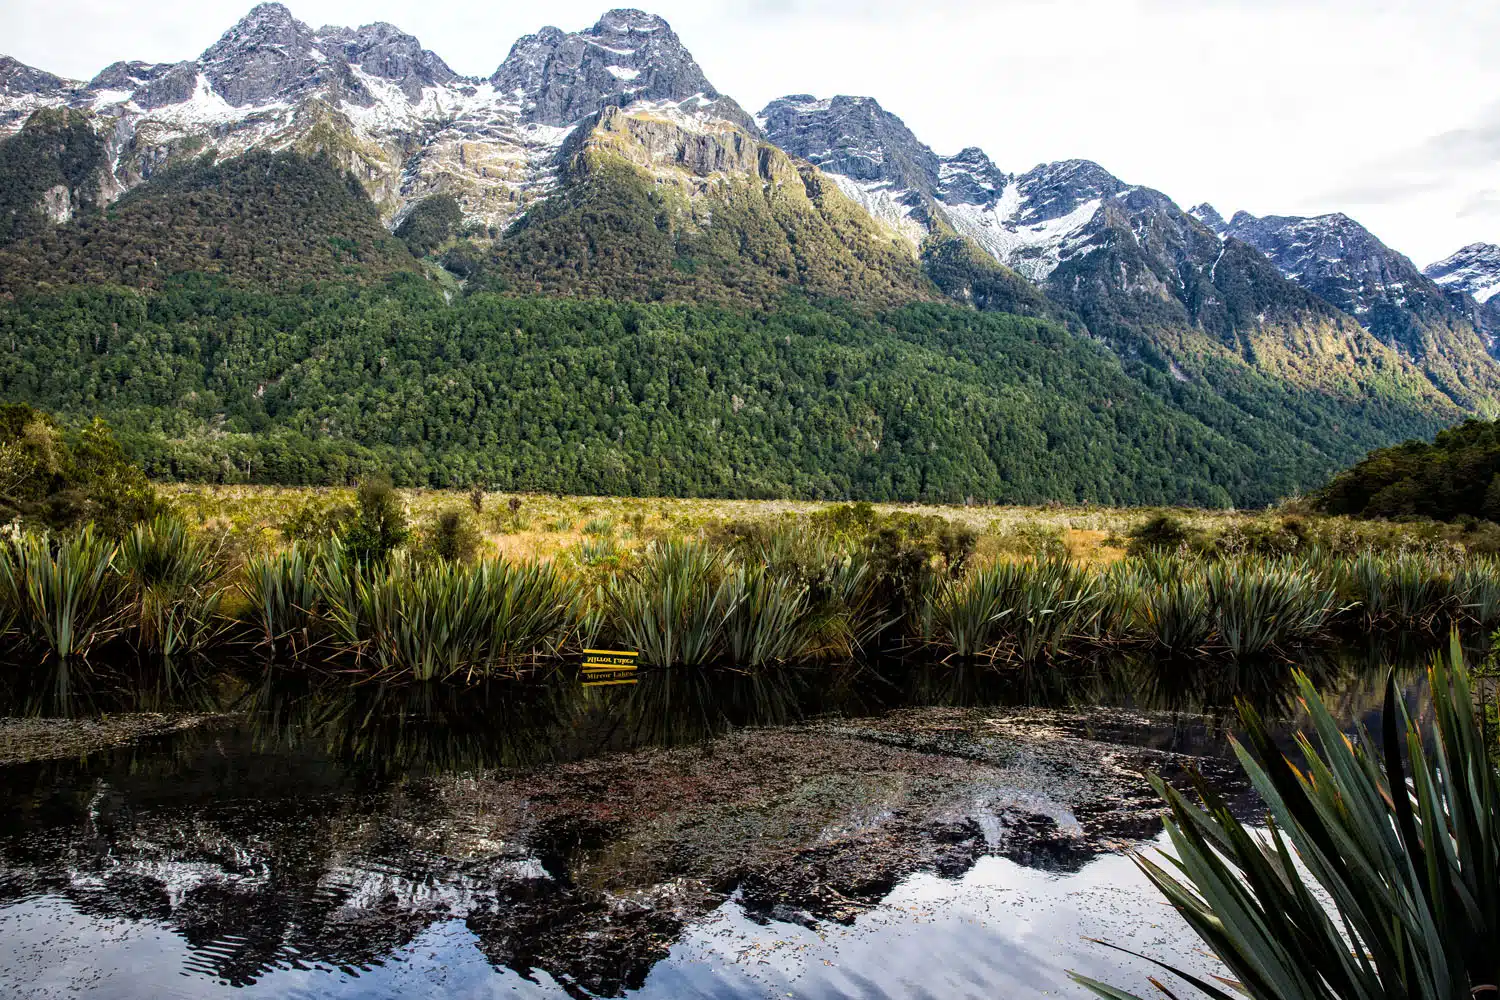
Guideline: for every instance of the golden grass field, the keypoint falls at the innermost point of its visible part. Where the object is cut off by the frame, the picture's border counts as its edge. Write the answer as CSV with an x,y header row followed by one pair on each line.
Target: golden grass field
x,y
546,526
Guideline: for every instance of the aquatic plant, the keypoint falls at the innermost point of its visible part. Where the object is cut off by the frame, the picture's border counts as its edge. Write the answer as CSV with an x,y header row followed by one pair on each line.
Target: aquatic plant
x,y
1259,604
60,595
438,621
1410,590
672,605
1377,875
282,590
768,619
1163,602
1477,585
169,575
1020,610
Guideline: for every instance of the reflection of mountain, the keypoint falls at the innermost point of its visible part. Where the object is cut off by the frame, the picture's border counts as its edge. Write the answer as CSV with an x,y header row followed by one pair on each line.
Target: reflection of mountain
x,y
341,822
587,870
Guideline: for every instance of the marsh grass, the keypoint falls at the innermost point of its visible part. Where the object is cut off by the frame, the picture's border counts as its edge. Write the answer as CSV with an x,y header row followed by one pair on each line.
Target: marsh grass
x,y
440,621
281,591
671,606
170,577
61,596
802,584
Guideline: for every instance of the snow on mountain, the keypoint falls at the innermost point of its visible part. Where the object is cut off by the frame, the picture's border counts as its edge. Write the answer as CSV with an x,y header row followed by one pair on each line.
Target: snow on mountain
x,y
1032,222
1474,270
1210,217
1342,262
391,111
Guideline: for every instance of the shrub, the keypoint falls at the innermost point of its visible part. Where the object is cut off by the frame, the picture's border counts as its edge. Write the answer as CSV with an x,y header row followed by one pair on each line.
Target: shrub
x,y
379,526
1162,533
452,536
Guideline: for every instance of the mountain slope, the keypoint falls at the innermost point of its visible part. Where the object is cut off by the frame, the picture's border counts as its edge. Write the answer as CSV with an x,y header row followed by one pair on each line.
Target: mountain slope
x,y
1343,263
658,204
1471,277
261,219
931,402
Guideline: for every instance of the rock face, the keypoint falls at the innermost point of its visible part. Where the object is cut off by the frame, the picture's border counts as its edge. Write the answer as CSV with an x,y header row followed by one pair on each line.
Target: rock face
x,y
1474,270
557,78
380,104
1342,262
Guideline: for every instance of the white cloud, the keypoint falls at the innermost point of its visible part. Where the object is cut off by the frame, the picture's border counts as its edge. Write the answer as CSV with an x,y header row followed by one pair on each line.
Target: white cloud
x,y
1275,107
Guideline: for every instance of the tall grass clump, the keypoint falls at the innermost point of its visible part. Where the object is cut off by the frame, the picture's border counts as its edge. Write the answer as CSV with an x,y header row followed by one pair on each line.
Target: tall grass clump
x,y
768,620
1379,874
1260,604
1020,610
60,596
1410,590
1159,600
432,622
282,590
673,604
170,577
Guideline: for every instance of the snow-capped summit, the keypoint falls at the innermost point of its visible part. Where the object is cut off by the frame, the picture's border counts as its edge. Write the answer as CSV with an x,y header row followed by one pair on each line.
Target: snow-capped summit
x,y
558,77
1210,217
1342,262
1474,270
391,111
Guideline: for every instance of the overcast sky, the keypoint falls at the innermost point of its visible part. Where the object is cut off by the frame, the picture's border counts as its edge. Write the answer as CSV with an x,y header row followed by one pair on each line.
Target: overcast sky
x,y
1386,110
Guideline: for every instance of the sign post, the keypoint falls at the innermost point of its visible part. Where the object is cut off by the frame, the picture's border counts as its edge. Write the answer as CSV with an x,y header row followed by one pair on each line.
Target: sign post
x,y
603,667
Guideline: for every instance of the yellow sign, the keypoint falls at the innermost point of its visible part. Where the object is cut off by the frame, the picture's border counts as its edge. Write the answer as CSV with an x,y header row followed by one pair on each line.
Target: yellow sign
x,y
602,667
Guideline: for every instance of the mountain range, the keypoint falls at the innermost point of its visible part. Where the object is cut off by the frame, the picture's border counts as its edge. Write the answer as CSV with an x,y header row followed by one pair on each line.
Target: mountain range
x,y
603,164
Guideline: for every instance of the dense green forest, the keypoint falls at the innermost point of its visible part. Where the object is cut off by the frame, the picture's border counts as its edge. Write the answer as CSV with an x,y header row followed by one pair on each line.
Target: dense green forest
x,y
1457,475
207,381
260,220
252,320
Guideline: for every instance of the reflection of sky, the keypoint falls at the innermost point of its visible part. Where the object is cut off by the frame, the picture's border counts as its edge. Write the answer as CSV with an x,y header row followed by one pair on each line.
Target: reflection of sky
x,y
1001,930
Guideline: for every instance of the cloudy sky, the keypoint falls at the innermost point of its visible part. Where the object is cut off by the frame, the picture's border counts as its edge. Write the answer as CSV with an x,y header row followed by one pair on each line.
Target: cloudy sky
x,y
1386,110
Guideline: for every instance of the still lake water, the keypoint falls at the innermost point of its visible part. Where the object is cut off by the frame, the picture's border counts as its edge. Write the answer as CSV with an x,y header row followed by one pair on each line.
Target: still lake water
x,y
840,833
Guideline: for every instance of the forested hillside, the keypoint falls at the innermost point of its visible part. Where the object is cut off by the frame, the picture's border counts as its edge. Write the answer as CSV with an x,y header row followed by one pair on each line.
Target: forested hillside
x,y
206,381
1454,476
259,220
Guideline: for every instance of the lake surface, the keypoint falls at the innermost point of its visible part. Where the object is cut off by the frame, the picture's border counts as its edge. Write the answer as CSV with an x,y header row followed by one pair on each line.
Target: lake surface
x,y
894,832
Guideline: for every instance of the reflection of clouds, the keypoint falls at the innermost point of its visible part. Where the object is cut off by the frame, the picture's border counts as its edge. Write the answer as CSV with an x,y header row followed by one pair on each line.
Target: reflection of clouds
x,y
1001,930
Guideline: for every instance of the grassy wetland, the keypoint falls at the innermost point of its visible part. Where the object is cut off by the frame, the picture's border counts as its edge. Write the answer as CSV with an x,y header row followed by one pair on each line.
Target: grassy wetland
x,y
460,586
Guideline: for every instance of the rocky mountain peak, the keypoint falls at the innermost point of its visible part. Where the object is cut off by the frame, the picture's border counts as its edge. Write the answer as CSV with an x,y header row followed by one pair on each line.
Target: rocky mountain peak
x,y
559,77
1473,270
970,177
626,20
18,79
1342,262
386,51
265,55
853,137
1210,217
1055,190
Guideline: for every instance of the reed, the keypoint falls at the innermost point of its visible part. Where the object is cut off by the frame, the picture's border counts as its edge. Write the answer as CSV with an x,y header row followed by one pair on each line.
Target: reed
x,y
1260,604
672,605
1160,601
282,590
170,576
431,622
61,596
1023,611
768,620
